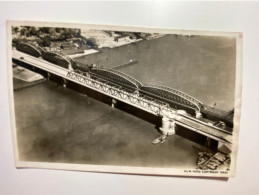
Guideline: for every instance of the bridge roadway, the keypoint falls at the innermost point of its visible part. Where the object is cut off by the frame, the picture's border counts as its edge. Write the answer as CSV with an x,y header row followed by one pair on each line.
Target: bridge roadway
x,y
117,92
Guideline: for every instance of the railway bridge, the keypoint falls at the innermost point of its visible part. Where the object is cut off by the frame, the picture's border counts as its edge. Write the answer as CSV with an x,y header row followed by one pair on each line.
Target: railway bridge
x,y
173,106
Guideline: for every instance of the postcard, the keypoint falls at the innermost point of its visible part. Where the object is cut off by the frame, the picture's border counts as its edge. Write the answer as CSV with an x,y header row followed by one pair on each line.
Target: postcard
x,y
124,99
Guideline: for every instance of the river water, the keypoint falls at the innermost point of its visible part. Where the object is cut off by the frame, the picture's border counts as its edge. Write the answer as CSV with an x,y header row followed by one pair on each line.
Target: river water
x,y
55,124
201,66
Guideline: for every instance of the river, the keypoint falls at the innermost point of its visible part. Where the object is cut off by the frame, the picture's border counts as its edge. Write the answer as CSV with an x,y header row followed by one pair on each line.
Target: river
x,y
201,66
56,124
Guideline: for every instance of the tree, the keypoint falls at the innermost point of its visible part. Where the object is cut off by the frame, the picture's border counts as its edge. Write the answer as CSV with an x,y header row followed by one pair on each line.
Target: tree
x,y
52,31
23,31
15,42
40,42
46,41
34,31
78,33
58,30
15,30
91,42
66,33
45,30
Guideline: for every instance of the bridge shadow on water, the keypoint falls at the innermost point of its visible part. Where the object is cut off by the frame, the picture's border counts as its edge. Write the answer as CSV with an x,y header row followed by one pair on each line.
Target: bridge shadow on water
x,y
155,120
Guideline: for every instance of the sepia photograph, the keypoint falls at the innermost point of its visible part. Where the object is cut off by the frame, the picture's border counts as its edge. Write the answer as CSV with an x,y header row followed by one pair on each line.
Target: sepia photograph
x,y
124,99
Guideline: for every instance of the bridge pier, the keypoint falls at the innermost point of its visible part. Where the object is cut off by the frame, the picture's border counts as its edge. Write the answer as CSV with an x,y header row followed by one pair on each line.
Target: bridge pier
x,y
198,114
64,83
113,103
70,67
48,76
225,147
168,126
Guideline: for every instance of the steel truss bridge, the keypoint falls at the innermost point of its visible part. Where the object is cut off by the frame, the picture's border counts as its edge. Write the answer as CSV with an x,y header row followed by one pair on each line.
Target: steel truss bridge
x,y
132,92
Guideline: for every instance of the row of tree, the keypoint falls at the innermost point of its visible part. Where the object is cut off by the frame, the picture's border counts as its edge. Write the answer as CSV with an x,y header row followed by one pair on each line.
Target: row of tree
x,y
44,35
59,33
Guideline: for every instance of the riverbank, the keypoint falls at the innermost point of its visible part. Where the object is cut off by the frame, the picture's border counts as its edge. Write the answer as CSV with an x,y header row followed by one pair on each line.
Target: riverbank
x,y
25,74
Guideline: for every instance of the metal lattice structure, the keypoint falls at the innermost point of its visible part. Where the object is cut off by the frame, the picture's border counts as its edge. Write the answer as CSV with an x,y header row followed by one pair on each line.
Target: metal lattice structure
x,y
30,48
117,91
117,77
63,56
37,48
173,95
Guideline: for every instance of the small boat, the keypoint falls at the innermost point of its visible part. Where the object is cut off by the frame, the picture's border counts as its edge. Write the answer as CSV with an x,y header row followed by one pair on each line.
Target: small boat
x,y
156,141
161,140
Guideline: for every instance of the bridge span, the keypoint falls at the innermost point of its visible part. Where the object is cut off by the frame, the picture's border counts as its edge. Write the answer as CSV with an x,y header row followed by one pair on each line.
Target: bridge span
x,y
135,94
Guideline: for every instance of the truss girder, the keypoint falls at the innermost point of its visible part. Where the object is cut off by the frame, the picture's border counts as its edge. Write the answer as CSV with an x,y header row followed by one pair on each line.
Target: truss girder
x,y
173,95
117,76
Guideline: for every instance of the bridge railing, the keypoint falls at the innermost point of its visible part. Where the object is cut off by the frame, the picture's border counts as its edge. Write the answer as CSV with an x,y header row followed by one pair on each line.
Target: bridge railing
x,y
123,75
33,46
63,56
181,94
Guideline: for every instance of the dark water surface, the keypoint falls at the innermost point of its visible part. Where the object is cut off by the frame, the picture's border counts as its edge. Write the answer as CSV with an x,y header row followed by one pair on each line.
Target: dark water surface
x,y
201,66
60,125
